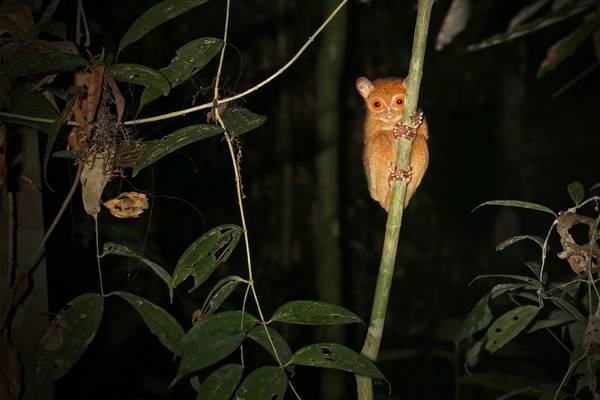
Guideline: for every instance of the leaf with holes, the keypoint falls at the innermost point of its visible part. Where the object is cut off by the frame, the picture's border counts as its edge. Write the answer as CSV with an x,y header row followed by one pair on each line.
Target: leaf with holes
x,y
239,120
204,255
40,63
157,149
335,356
309,312
139,75
155,16
509,325
213,339
161,323
221,384
259,335
515,239
189,59
264,383
67,337
220,293
576,191
120,250
519,204
479,318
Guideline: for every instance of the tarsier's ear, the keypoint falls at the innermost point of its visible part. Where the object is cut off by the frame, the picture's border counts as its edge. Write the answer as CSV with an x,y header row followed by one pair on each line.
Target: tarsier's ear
x,y
364,86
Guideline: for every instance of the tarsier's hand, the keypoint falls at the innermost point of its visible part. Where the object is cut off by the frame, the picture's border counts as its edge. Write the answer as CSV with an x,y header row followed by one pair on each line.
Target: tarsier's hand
x,y
402,131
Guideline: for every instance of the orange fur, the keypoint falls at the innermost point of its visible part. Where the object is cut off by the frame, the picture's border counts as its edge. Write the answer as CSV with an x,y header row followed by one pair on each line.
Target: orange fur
x,y
384,99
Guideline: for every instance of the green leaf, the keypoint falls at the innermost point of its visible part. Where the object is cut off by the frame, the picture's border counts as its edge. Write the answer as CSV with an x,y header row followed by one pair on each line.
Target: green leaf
x,y
565,305
70,154
204,255
556,318
213,339
69,334
472,354
239,120
567,46
479,318
531,281
595,187
335,356
161,323
515,239
221,384
26,101
576,191
43,63
259,335
503,288
190,58
536,268
55,128
517,203
155,16
139,75
120,250
549,19
264,383
173,141
219,293
509,325
309,312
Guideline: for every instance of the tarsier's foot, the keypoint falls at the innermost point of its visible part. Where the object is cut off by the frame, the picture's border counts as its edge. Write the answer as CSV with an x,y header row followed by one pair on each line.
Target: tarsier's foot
x,y
402,131
395,175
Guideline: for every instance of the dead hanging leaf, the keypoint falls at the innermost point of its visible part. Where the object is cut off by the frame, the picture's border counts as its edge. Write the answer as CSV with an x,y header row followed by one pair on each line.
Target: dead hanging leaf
x,y
579,256
84,110
454,22
119,99
94,177
10,370
127,205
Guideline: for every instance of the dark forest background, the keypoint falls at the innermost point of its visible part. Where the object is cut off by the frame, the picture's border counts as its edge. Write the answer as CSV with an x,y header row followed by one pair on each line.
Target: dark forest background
x,y
496,132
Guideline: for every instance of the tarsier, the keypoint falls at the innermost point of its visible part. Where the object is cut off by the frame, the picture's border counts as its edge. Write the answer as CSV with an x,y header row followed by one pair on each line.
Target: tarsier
x,y
384,99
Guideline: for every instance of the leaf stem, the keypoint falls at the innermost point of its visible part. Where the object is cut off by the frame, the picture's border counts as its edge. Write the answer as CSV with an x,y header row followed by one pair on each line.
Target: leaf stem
x,y
392,232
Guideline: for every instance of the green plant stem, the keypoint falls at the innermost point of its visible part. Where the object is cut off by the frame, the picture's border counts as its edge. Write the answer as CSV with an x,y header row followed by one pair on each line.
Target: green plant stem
x,y
394,222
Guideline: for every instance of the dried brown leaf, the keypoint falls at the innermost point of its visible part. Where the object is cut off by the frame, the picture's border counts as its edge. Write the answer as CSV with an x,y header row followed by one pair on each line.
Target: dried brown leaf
x,y
119,99
94,177
127,205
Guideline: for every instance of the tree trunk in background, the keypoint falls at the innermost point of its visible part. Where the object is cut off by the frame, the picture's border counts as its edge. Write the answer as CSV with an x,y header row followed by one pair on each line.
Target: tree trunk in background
x,y
31,317
328,272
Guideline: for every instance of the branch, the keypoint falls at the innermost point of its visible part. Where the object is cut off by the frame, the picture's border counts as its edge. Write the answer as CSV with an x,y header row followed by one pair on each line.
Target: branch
x,y
394,221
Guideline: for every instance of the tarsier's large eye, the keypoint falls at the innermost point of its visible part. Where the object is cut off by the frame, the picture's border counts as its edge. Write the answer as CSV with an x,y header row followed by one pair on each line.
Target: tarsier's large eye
x,y
377,104
398,101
